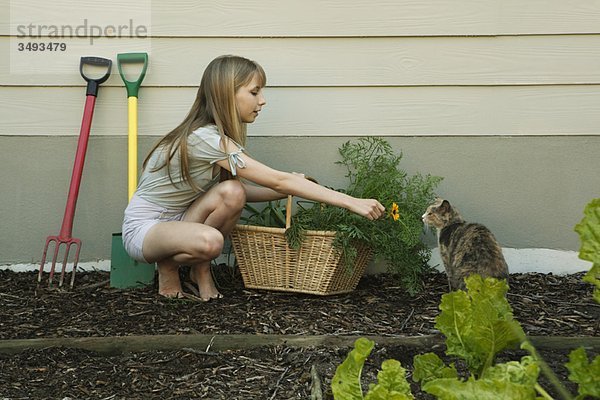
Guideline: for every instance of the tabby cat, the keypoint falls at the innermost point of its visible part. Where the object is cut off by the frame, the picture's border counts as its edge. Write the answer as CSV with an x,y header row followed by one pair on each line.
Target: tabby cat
x,y
466,248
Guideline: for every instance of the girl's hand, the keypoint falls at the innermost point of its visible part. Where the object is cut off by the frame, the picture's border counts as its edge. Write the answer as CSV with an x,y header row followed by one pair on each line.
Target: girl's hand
x,y
368,208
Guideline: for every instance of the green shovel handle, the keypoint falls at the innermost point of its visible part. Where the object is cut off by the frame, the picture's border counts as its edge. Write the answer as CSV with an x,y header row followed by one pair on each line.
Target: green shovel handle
x,y
132,87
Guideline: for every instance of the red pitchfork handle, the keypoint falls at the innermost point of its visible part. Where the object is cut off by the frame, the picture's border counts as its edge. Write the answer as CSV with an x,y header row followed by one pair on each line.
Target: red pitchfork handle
x,y
82,143
84,134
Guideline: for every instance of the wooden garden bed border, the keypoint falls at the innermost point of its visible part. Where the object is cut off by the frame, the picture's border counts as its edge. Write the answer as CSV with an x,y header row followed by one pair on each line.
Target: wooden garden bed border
x,y
221,342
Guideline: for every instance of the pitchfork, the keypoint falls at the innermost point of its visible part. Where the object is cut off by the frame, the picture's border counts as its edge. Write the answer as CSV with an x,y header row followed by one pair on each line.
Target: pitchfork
x,y
64,237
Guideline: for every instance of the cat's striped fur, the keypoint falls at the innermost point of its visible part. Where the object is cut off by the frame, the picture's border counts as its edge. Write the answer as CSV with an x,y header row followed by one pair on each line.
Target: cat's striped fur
x,y
465,248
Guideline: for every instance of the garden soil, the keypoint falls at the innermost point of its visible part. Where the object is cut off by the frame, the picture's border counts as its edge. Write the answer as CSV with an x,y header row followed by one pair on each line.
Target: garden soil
x,y
545,305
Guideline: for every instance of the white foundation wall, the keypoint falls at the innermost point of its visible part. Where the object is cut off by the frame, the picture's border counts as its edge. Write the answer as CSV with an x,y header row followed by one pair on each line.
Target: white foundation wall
x,y
544,261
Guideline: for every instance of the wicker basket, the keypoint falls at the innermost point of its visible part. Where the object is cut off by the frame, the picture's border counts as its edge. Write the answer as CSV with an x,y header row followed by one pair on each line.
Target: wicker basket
x,y
267,262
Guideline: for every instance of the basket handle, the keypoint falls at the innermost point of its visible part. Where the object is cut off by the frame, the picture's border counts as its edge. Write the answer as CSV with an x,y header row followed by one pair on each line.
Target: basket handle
x,y
288,212
288,206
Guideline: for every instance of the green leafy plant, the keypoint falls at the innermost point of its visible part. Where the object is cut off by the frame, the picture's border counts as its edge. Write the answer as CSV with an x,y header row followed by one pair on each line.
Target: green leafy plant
x,y
589,234
478,324
584,373
391,379
373,171
272,215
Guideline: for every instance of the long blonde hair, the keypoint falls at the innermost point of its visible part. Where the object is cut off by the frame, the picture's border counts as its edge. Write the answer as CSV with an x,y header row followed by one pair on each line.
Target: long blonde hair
x,y
214,104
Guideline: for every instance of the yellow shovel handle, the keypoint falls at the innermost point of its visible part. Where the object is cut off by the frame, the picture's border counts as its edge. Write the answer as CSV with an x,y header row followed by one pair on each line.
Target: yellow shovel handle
x,y
132,145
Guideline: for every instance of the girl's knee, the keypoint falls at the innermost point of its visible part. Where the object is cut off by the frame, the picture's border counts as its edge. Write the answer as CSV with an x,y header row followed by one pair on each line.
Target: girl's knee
x,y
209,243
233,193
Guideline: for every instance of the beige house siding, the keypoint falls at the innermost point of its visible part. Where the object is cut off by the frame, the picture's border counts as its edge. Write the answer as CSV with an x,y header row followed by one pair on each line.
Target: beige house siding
x,y
501,98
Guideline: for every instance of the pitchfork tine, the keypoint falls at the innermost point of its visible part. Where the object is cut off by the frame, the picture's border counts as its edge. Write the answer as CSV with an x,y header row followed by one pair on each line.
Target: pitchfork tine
x,y
78,244
48,240
64,264
53,266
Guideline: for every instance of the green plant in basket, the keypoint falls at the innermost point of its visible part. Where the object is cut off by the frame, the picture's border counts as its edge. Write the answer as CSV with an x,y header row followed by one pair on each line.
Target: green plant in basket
x,y
272,215
373,171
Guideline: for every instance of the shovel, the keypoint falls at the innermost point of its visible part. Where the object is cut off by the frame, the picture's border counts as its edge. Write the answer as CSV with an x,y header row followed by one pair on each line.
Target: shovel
x,y
132,98
64,237
126,272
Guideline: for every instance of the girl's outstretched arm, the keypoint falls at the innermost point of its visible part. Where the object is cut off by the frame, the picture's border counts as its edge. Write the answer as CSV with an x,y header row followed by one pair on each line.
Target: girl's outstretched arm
x,y
260,193
255,193
296,185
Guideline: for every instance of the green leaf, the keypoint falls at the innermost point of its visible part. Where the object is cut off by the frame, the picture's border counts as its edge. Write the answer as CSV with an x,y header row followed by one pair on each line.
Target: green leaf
x,y
345,384
584,373
523,373
251,209
493,327
380,393
478,324
484,389
270,215
427,367
593,277
391,383
280,216
454,322
512,380
589,232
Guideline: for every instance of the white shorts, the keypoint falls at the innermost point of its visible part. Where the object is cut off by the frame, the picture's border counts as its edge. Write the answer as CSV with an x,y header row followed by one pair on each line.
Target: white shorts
x,y
140,216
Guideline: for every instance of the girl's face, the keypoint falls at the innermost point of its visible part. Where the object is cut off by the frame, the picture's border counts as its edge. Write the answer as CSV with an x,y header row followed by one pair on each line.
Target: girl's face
x,y
249,100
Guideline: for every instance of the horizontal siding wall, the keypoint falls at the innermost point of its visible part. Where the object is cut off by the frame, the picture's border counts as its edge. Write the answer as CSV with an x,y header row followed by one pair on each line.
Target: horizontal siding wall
x,y
477,90
370,61
335,68
214,18
318,111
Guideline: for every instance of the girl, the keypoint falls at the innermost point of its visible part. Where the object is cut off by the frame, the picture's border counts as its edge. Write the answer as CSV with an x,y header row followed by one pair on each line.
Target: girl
x,y
184,204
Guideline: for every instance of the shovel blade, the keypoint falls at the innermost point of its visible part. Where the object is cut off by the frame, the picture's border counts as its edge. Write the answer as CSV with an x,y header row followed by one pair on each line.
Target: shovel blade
x,y
125,272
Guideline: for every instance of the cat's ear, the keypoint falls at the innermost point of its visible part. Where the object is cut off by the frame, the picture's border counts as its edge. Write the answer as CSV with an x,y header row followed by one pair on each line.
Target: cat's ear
x,y
445,206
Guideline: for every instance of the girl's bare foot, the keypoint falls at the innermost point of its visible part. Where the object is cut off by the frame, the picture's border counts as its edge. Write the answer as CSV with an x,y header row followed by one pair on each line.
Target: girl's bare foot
x,y
169,284
201,276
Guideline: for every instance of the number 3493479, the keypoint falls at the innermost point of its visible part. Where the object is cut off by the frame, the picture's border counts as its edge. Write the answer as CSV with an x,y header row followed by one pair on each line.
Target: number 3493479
x,y
41,46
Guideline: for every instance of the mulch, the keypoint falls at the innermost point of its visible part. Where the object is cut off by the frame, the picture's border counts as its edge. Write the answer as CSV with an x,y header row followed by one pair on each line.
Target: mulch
x,y
545,305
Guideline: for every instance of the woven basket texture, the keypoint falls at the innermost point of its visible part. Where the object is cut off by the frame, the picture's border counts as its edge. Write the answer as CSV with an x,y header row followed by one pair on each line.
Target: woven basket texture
x,y
267,262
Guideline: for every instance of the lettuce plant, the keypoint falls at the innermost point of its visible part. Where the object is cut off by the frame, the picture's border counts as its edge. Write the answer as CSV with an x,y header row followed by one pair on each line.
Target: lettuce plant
x,y
589,234
391,379
478,324
584,373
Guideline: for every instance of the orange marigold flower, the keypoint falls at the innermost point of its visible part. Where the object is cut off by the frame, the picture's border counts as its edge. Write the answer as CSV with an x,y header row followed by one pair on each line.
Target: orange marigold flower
x,y
395,213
